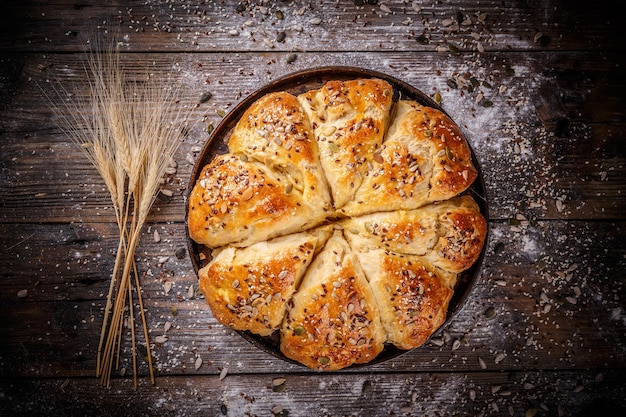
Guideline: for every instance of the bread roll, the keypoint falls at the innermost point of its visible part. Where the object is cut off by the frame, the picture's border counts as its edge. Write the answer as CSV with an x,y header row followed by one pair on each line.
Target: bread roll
x,y
248,288
240,202
332,321
424,158
349,119
449,234
275,132
412,296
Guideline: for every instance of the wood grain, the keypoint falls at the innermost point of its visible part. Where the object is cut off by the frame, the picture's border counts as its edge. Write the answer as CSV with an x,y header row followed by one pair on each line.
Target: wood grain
x,y
537,87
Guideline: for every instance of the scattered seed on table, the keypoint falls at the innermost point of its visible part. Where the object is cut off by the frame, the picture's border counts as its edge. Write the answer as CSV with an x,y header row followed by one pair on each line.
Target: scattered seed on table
x,y
180,253
206,96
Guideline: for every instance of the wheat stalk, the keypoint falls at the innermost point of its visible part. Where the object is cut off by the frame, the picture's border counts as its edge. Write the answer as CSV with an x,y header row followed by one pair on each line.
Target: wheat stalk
x,y
129,130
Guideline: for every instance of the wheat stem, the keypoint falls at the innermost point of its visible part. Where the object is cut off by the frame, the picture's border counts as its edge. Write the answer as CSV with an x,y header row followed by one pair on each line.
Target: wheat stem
x,y
131,319
128,130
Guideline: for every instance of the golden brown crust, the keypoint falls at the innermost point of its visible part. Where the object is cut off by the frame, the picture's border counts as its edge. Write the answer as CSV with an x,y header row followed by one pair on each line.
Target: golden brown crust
x,y
239,202
387,176
424,158
412,296
275,132
449,234
333,321
248,288
349,119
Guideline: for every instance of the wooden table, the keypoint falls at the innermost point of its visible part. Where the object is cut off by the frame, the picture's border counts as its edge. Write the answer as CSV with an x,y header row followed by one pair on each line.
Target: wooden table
x,y
537,87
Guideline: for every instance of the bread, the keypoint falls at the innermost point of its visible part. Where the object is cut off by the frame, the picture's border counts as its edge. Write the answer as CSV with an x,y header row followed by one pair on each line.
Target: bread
x,y
448,234
269,184
337,222
248,288
276,132
241,202
332,321
412,296
349,119
424,158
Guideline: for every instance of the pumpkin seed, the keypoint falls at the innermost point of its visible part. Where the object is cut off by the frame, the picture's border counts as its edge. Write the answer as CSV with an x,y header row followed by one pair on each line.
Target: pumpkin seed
x,y
324,360
279,387
453,49
438,97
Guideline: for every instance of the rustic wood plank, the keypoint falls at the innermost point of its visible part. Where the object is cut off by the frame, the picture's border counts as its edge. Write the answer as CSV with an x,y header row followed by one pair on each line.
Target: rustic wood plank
x,y
542,332
315,26
533,146
584,393
549,297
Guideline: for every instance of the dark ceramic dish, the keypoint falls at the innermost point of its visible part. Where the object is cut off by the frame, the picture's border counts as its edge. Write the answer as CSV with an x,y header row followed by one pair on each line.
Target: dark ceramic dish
x,y
298,83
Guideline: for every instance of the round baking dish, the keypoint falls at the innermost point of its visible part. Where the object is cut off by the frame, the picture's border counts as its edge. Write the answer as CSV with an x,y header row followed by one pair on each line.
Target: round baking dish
x,y
297,83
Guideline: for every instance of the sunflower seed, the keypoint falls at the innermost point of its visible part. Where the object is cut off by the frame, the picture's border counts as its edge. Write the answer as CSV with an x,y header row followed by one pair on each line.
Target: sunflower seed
x,y
247,194
190,292
206,96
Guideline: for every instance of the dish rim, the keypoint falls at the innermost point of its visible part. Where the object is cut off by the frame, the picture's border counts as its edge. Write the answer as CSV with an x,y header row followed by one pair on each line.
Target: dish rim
x,y
298,82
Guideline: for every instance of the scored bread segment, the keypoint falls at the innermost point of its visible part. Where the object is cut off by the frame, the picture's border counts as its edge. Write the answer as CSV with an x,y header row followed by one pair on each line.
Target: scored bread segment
x,y
332,321
349,120
412,296
424,158
248,288
449,234
240,202
275,132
